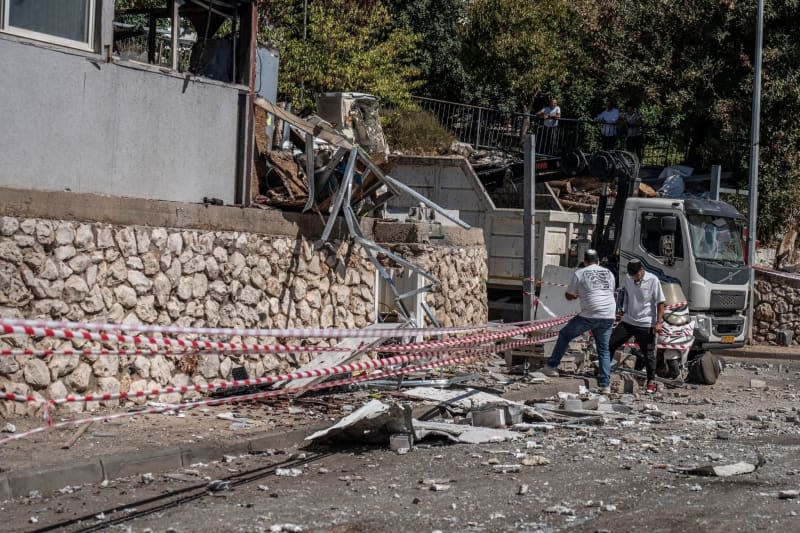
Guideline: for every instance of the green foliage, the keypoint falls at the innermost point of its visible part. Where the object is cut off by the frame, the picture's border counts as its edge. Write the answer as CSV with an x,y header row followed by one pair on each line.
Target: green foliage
x,y
415,131
437,55
350,46
518,47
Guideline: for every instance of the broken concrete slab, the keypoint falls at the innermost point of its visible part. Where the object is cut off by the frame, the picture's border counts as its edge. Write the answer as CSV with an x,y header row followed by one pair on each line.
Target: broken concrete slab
x,y
721,470
462,433
469,400
373,422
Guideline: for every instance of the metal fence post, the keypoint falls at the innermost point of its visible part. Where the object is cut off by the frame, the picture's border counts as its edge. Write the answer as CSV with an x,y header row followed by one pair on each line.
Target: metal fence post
x,y
528,221
478,129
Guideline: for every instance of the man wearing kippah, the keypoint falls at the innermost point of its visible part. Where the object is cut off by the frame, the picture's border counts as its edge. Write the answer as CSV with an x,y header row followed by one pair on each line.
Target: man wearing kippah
x,y
594,286
643,319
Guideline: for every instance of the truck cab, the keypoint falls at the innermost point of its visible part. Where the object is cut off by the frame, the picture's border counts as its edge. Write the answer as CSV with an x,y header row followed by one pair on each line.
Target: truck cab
x,y
697,244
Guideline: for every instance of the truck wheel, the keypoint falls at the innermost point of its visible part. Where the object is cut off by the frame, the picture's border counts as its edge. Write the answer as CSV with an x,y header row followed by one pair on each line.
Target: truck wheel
x,y
704,369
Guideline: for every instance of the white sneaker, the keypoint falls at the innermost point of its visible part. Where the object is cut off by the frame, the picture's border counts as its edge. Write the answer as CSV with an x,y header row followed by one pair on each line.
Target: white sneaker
x,y
604,390
549,371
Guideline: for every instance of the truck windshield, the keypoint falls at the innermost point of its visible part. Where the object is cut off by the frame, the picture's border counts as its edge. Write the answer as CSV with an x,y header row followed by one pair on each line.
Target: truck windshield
x,y
716,238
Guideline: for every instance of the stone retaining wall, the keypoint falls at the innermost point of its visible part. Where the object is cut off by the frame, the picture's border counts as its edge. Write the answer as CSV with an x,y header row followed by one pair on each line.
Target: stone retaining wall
x,y
777,307
135,274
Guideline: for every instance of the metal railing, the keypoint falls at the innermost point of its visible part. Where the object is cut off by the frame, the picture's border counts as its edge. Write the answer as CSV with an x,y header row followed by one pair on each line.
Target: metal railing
x,y
487,128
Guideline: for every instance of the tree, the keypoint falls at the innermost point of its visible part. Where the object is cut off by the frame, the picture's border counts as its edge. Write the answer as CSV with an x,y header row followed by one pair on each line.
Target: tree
x,y
437,55
350,46
518,47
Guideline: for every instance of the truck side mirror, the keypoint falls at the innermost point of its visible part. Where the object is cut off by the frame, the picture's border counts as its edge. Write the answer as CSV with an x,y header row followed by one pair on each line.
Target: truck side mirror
x,y
669,224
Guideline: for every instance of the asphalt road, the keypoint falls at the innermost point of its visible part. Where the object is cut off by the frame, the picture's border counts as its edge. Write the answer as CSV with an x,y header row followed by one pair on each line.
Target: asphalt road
x,y
620,476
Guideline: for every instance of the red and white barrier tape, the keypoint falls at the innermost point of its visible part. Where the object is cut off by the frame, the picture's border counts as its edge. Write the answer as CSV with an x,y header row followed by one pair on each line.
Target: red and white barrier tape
x,y
165,350
267,394
268,380
245,332
531,327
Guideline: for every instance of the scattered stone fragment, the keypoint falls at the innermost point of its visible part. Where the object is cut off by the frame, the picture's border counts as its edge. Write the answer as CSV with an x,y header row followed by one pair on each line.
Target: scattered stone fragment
x,y
758,384
9,428
695,488
147,478
610,508
522,490
788,494
290,528
535,460
560,509
439,487
505,469
288,472
263,487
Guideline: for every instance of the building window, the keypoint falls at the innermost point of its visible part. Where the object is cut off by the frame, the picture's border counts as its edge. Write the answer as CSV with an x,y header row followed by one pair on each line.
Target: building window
x,y
65,22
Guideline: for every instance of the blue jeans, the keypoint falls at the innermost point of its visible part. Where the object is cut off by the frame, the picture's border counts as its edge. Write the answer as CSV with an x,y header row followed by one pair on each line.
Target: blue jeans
x,y
601,329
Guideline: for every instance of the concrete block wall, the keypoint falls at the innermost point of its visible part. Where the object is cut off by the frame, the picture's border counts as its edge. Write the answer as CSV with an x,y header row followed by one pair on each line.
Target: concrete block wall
x,y
95,271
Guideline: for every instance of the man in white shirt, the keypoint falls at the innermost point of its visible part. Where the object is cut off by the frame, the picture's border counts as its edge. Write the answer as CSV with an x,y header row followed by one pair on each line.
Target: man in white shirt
x,y
547,143
643,318
594,286
551,114
608,119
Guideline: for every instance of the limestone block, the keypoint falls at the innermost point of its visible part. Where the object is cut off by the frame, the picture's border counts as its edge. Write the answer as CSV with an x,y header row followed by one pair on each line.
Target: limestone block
x,y
105,237
158,237
137,386
142,366
126,241
36,373
63,253
106,365
10,252
139,281
75,289
8,226
61,365
160,369
208,366
185,288
125,295
175,243
161,289
84,237
212,268
196,264
143,240
108,385
145,309
174,272
199,285
118,271
24,241
93,303
56,390
44,232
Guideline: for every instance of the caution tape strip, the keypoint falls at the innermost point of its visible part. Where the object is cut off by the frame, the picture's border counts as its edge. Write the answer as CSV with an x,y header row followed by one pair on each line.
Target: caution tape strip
x,y
50,325
267,394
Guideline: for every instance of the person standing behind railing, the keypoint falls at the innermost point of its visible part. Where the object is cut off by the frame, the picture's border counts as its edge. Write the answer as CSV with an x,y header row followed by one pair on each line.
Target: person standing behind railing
x,y
549,134
608,120
633,120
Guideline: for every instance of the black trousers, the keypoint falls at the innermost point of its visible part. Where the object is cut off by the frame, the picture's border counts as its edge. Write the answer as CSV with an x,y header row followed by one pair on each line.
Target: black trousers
x,y
645,338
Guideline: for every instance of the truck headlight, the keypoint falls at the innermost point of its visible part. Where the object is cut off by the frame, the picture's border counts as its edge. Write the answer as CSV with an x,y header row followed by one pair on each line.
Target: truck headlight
x,y
703,325
677,320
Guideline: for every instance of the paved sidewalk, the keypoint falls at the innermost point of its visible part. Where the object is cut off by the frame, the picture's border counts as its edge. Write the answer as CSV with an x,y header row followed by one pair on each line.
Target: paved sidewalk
x,y
764,351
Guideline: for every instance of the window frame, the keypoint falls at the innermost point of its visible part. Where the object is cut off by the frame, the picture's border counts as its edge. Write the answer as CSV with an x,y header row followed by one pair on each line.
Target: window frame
x,y
680,252
88,45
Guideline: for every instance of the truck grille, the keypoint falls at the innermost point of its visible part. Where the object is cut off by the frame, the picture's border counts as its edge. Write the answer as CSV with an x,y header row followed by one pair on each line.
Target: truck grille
x,y
728,299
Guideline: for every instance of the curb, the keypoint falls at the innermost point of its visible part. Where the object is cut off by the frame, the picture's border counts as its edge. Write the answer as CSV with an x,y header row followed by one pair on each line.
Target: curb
x,y
50,478
786,354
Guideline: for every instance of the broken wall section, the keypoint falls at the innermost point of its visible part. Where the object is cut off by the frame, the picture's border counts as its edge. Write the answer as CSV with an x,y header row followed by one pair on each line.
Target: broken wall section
x,y
101,272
